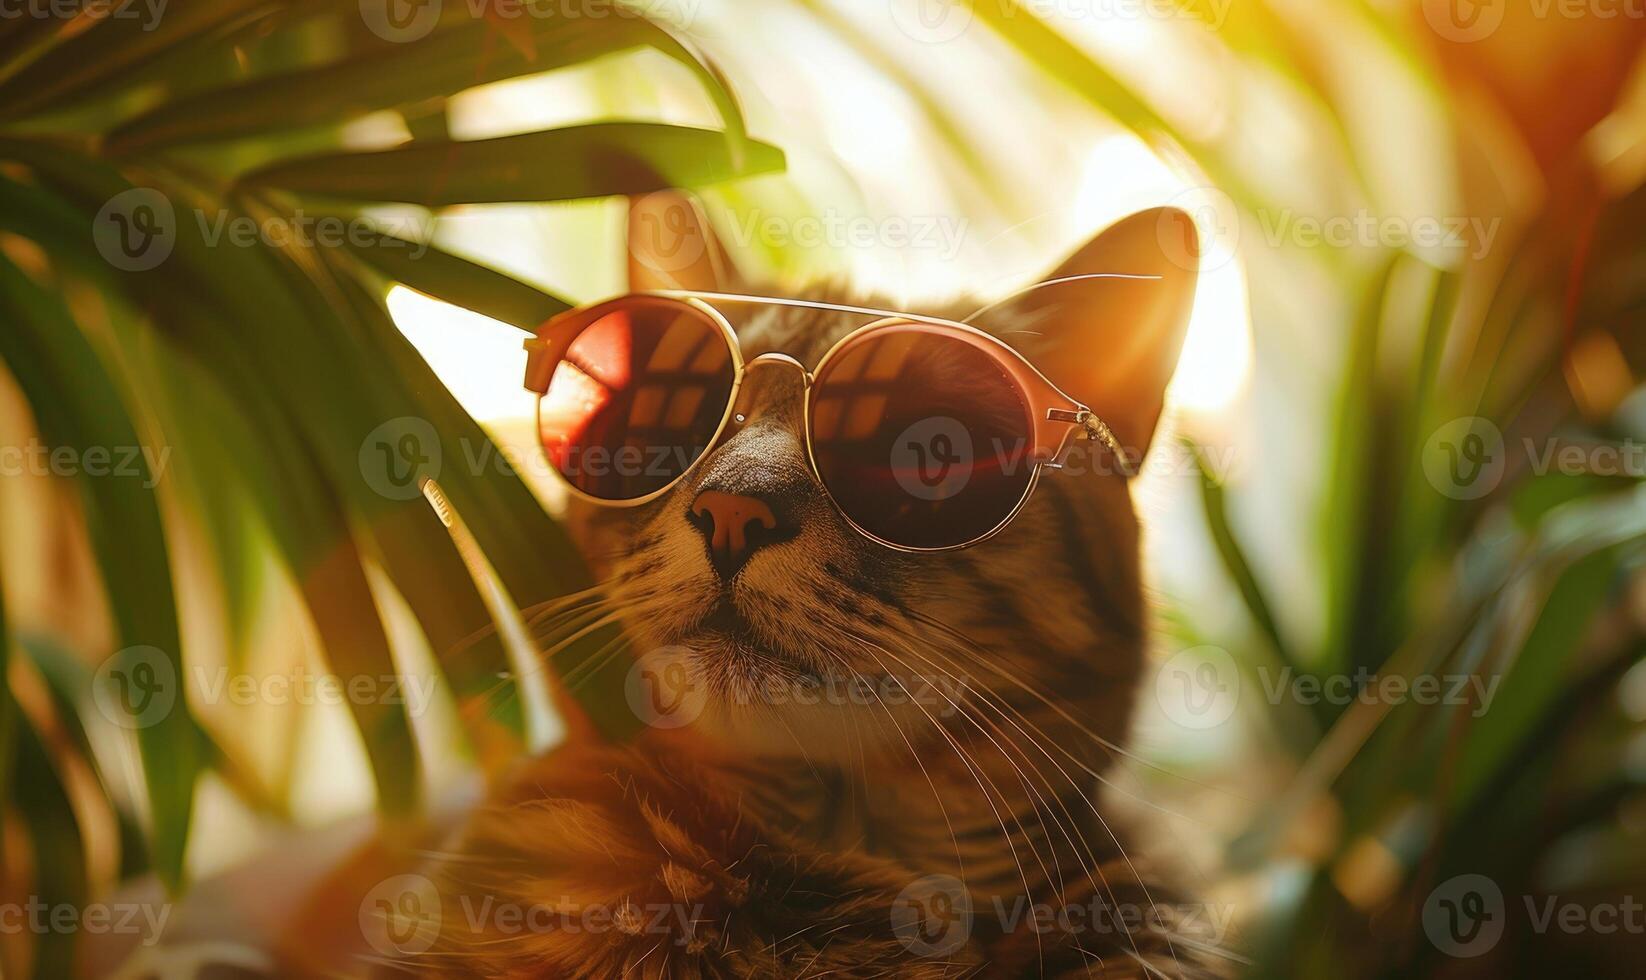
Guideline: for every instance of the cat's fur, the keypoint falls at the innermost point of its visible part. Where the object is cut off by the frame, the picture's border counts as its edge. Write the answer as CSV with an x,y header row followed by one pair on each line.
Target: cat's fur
x,y
767,840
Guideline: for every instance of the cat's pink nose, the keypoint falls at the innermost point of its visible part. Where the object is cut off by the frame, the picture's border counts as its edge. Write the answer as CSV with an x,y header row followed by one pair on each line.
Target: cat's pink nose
x,y
735,526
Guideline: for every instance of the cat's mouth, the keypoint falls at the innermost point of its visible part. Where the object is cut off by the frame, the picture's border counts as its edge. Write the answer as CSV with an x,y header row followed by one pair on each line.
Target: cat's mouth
x,y
729,635
725,623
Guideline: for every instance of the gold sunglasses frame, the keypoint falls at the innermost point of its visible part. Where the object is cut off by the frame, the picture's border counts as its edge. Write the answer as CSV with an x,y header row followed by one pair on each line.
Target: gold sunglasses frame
x,y
1054,416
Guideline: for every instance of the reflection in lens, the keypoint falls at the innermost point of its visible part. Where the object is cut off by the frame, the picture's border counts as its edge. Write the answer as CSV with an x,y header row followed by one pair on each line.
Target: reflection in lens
x,y
922,438
636,399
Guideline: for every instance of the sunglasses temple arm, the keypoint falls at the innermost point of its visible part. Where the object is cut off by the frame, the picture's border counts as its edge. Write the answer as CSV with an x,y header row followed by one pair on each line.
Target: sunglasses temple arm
x,y
1099,431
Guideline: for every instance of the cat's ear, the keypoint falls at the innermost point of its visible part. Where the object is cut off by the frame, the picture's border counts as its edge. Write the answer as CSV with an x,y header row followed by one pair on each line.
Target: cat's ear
x,y
672,246
1113,343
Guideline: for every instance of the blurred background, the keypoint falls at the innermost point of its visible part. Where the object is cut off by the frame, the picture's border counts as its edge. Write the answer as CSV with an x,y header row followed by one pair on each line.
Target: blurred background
x,y
264,262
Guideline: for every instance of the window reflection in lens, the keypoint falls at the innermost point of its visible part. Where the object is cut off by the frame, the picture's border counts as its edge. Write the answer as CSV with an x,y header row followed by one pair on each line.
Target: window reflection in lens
x,y
921,437
636,399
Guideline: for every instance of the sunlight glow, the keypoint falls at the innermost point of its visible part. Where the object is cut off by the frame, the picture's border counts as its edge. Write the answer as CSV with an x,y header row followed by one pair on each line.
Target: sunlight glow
x,y
1217,354
479,359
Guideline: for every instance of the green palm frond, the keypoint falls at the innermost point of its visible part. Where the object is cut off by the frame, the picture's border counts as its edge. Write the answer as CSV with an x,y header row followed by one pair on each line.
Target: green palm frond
x,y
262,366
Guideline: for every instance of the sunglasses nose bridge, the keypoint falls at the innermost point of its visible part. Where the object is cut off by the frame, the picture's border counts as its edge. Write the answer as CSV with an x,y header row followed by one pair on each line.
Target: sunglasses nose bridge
x,y
776,359
766,385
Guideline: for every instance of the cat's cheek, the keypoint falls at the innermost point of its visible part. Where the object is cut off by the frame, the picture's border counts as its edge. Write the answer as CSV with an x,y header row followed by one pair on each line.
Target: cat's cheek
x,y
605,536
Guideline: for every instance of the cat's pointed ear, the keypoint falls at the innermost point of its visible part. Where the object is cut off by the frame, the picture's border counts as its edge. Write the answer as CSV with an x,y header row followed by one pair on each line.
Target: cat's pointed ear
x,y
1113,343
672,246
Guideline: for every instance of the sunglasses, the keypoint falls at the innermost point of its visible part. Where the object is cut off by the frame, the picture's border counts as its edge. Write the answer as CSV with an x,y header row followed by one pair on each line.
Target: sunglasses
x,y
927,434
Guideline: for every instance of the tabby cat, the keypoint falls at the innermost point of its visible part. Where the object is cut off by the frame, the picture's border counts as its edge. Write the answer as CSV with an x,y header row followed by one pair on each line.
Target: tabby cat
x,y
948,824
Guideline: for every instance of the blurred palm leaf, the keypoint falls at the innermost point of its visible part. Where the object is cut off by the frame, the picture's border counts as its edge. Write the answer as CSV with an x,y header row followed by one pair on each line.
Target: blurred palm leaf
x,y
236,108
265,366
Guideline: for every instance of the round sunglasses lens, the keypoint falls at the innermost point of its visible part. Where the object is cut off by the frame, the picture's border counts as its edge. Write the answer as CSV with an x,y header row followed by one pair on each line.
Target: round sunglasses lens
x,y
922,438
637,398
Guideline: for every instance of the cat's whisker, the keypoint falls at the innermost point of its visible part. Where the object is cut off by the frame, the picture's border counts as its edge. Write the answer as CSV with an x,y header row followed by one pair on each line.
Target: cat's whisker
x,y
981,657
1089,862
937,797
596,662
1115,839
981,778
530,614
555,602
1075,760
582,621
1035,799
550,635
